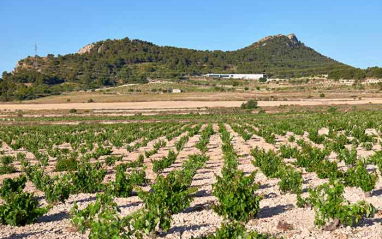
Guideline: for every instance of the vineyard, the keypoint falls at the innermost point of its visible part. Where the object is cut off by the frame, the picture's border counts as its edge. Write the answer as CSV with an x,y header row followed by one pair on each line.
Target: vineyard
x,y
286,175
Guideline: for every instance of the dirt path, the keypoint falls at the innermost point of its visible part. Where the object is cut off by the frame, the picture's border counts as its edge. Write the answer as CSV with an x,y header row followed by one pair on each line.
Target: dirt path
x,y
199,219
183,104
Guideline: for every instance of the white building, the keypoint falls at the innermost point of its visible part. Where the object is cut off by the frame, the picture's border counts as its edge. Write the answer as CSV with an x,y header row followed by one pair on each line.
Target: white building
x,y
372,81
176,91
346,82
238,76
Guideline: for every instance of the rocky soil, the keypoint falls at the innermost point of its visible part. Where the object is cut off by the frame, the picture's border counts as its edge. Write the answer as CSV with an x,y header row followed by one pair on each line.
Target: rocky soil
x,y
279,214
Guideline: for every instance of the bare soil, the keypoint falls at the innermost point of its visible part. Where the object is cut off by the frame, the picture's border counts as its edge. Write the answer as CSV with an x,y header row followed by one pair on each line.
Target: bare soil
x,y
183,104
278,215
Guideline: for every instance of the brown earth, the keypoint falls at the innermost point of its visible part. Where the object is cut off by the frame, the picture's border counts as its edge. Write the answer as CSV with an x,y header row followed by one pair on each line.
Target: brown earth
x,y
184,104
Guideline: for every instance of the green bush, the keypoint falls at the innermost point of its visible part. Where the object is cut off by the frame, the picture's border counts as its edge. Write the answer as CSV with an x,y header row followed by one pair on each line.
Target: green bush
x,y
291,180
329,204
6,166
165,162
235,230
250,104
348,156
169,195
88,178
101,217
327,169
124,182
66,164
269,162
20,208
358,176
236,196
56,189
110,160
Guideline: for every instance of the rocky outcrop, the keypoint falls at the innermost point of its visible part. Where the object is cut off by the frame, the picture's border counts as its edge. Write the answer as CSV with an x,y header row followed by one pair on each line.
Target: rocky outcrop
x,y
292,37
86,49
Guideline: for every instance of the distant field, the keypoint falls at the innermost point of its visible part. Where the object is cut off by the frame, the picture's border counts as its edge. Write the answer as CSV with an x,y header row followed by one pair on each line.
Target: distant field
x,y
183,104
215,90
97,97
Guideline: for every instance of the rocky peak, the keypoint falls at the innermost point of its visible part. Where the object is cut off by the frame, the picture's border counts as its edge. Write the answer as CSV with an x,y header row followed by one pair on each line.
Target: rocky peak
x,y
86,49
292,37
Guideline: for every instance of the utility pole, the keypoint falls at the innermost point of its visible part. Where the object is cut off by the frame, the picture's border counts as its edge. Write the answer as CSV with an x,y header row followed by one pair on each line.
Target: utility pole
x,y
35,64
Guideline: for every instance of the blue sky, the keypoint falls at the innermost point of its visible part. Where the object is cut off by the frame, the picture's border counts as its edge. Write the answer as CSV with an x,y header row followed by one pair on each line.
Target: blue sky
x,y
349,31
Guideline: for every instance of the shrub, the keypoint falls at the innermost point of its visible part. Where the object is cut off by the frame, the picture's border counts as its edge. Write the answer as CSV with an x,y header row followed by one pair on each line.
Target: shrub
x,y
20,157
339,143
101,151
349,157
236,196
315,137
205,139
180,144
367,145
12,186
66,164
169,195
20,208
250,104
165,162
122,186
287,151
56,189
263,80
72,111
291,138
138,176
311,157
332,109
329,203
327,169
110,160
235,230
269,162
359,177
6,166
101,217
88,178
43,158
291,180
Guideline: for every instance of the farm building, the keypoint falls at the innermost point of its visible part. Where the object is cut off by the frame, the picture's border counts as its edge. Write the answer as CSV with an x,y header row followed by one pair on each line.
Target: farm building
x,y
346,82
372,81
176,91
238,76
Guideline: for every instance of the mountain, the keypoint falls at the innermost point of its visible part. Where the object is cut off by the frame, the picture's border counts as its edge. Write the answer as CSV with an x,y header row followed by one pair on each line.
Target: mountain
x,y
113,62
280,56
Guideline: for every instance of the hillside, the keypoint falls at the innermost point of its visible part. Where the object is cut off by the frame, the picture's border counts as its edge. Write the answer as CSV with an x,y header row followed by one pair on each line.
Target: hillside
x,y
280,55
114,62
